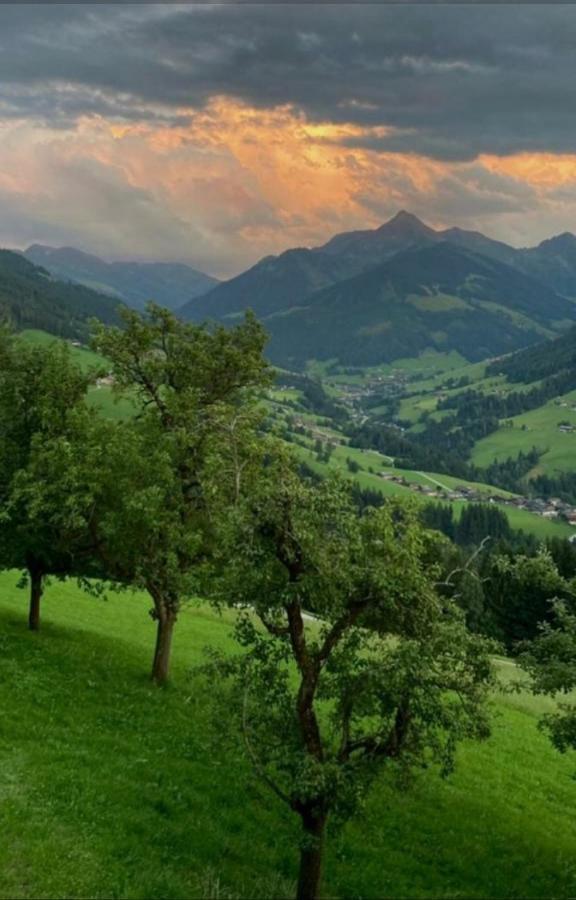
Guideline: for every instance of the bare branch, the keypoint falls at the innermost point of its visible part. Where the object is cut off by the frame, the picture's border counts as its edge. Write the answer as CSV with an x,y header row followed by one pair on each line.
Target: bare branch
x,y
467,565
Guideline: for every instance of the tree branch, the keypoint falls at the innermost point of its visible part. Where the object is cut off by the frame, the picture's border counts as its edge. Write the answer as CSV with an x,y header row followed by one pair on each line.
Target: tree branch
x,y
466,567
258,767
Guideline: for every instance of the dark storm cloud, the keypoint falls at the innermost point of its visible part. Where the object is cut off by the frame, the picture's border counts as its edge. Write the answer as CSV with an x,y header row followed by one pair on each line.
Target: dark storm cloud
x,y
451,81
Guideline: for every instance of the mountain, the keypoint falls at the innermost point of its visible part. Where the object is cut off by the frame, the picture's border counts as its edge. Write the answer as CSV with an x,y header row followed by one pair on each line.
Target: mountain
x,y
553,262
440,296
364,249
168,284
279,283
274,284
540,361
30,297
375,295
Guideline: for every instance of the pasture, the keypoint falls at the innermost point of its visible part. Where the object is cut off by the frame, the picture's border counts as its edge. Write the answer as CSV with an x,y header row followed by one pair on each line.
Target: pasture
x,y
113,788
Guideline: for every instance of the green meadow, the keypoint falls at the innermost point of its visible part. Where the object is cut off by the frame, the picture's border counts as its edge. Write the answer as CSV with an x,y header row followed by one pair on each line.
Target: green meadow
x,y
112,788
537,428
86,358
519,519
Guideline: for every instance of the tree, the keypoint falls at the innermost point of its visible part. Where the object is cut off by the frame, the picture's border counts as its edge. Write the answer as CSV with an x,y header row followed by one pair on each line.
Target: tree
x,y
195,389
519,591
42,410
550,660
385,672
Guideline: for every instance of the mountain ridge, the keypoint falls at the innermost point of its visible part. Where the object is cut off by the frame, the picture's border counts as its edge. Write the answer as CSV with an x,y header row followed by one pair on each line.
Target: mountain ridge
x,y
135,283
30,297
510,297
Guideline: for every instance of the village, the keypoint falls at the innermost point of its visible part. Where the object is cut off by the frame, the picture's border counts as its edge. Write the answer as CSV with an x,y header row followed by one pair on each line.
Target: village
x,y
553,508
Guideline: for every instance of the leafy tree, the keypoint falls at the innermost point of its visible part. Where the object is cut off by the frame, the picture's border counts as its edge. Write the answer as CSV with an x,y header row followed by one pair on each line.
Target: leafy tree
x,y
550,660
195,391
519,594
42,411
386,673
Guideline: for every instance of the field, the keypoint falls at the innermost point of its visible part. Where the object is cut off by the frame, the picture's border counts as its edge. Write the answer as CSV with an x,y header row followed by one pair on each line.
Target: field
x,y
430,364
84,357
112,788
519,519
537,428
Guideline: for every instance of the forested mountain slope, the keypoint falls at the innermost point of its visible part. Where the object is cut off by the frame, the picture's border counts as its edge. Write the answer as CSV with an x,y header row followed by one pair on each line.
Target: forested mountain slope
x,y
31,298
438,296
373,296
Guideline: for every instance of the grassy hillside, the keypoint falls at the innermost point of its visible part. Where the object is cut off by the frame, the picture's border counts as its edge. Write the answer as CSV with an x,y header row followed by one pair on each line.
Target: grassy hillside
x,y
540,428
111,788
519,519
85,358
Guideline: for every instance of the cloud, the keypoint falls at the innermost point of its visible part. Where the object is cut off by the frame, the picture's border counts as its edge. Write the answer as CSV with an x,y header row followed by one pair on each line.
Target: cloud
x,y
220,133
456,81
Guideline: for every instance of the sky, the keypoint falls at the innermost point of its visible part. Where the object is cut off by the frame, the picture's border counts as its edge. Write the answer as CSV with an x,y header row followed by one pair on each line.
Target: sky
x,y
218,134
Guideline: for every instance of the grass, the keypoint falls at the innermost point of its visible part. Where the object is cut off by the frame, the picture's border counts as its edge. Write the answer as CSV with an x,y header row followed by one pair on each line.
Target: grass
x,y
537,428
430,362
111,788
520,519
86,358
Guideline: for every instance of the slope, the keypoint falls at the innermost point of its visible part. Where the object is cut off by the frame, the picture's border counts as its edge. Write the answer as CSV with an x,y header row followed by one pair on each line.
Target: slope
x,y
439,296
111,788
31,298
275,284
168,284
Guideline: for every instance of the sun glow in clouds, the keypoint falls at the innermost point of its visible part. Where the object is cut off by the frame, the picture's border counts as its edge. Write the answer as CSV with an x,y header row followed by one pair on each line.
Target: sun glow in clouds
x,y
234,182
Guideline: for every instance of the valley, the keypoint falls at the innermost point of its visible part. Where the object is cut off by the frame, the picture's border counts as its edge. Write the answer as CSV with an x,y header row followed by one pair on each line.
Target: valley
x,y
287,451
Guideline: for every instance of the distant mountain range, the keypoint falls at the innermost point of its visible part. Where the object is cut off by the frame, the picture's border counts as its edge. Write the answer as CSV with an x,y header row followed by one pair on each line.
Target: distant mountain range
x,y
363,298
373,296
168,284
30,297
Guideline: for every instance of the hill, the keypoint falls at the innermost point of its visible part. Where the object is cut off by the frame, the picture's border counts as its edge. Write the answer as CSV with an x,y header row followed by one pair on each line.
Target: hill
x,y
32,298
545,359
373,296
441,296
274,285
489,413
111,788
135,283
554,263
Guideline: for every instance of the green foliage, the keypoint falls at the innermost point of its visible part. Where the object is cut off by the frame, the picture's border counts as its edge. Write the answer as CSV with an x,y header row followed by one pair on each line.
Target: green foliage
x,y
550,659
521,591
42,417
546,359
164,473
390,673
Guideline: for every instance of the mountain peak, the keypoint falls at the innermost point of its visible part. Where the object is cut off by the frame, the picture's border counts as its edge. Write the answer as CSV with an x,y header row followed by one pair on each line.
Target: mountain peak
x,y
405,222
564,241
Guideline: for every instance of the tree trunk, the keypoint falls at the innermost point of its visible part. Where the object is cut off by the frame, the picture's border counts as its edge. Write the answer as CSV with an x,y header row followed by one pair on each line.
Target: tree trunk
x,y
166,619
36,589
311,856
